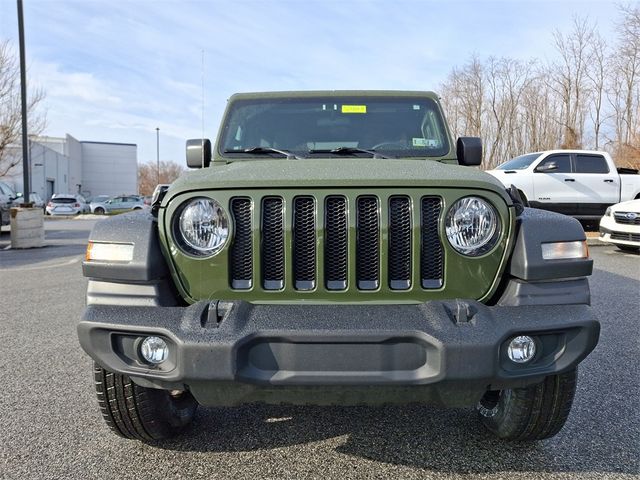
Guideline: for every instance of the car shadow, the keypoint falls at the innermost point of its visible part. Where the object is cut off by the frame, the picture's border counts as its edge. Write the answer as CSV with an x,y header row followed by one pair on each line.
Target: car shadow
x,y
423,437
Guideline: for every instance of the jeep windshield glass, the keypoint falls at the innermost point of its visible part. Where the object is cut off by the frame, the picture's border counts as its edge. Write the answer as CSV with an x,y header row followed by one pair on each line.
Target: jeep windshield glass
x,y
314,126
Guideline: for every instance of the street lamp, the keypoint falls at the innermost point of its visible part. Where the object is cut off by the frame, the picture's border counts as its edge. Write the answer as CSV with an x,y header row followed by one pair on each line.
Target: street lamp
x,y
158,153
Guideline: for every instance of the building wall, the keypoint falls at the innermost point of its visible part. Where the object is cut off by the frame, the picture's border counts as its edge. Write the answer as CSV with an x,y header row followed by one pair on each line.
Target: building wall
x,y
109,168
65,165
73,151
46,165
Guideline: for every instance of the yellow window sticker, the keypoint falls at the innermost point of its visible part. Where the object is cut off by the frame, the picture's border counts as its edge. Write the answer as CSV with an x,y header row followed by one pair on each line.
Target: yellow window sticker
x,y
354,109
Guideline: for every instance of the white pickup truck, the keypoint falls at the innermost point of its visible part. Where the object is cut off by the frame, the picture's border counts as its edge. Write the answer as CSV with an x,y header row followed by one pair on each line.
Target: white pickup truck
x,y
579,183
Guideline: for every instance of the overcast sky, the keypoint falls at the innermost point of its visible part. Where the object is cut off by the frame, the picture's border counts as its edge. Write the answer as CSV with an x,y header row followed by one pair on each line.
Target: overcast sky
x,y
115,70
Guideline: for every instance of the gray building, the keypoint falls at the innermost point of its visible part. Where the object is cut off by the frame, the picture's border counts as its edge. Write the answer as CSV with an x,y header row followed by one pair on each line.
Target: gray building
x,y
66,165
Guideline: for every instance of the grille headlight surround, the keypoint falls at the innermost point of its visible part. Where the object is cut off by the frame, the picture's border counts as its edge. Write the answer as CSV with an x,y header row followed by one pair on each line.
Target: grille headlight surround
x,y
201,227
472,226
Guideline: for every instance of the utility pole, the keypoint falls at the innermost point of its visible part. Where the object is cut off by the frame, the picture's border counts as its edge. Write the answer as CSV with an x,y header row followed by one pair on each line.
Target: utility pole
x,y
158,153
23,97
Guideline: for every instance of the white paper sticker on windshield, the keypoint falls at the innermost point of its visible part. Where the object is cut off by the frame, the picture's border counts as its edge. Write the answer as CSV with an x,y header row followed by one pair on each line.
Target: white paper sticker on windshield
x,y
424,142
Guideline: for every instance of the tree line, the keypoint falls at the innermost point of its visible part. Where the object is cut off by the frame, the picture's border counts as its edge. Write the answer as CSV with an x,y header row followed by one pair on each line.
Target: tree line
x,y
587,97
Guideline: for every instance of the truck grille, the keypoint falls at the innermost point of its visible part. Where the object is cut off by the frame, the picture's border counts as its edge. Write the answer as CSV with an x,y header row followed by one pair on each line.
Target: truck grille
x,y
319,240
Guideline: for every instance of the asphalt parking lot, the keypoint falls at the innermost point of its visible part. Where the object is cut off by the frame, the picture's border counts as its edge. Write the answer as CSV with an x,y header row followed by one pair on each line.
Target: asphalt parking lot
x,y
50,426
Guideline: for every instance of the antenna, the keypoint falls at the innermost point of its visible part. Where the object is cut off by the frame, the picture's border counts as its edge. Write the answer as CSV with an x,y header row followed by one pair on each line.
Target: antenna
x,y
202,136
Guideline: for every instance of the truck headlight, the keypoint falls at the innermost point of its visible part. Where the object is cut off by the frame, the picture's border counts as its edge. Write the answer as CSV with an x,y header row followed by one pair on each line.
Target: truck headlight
x,y
201,227
472,226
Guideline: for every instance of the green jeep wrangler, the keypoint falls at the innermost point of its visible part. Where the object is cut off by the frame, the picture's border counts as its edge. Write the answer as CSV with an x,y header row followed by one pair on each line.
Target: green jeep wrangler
x,y
337,248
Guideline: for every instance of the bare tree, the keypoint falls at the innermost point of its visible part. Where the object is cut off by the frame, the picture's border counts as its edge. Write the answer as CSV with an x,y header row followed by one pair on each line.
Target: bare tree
x,y
10,108
597,76
624,88
148,175
569,79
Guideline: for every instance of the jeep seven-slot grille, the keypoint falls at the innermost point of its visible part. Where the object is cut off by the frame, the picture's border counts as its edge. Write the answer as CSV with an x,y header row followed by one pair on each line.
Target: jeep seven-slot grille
x,y
326,231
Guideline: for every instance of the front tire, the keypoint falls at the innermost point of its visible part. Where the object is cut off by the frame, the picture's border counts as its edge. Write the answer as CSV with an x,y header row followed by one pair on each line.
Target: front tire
x,y
99,211
530,413
141,413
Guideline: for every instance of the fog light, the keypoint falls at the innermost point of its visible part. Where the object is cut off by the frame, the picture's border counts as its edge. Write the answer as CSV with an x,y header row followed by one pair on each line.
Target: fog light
x,y
154,350
521,349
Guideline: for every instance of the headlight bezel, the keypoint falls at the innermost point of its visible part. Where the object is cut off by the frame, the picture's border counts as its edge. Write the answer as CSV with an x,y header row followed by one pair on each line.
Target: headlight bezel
x,y
189,248
487,246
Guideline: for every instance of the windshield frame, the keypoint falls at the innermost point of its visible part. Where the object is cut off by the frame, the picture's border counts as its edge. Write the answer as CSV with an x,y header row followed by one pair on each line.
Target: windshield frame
x,y
353,98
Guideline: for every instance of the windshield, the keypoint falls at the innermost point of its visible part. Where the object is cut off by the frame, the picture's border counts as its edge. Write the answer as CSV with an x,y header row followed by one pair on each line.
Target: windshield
x,y
396,127
519,163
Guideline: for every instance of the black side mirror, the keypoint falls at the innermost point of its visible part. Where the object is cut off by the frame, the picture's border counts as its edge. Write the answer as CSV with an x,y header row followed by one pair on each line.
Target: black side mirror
x,y
198,153
547,167
469,151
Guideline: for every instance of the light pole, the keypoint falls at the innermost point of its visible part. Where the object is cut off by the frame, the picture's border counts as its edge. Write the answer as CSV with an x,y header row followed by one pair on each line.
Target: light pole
x,y
23,98
158,154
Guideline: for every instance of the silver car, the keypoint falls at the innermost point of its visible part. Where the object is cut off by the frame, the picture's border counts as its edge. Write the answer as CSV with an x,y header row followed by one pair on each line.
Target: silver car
x,y
118,204
67,204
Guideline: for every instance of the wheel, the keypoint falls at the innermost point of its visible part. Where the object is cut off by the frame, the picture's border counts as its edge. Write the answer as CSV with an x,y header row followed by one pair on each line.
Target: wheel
x,y
99,211
628,248
531,413
136,412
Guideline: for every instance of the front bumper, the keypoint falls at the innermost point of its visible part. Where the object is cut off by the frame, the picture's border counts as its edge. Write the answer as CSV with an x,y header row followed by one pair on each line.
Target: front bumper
x,y
620,234
453,346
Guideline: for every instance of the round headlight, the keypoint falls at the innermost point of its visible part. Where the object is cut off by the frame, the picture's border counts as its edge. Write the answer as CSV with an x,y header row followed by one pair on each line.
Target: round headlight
x,y
203,227
472,226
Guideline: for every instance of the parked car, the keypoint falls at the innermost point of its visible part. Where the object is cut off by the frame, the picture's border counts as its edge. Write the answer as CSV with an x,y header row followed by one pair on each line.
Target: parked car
x,y
7,196
34,198
620,226
98,202
67,204
98,199
118,204
580,183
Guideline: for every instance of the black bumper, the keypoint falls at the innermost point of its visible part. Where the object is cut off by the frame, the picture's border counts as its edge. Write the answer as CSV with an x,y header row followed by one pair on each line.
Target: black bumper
x,y
458,345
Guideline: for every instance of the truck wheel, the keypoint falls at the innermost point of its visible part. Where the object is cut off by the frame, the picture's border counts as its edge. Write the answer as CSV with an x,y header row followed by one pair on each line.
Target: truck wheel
x,y
136,412
531,413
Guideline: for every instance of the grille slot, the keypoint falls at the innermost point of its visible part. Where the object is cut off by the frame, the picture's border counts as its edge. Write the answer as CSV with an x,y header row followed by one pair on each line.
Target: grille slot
x,y
431,252
272,243
335,245
629,237
399,243
368,243
304,243
241,261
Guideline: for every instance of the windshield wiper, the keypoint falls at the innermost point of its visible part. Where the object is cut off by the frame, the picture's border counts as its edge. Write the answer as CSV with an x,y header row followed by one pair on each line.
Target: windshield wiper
x,y
349,151
265,150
